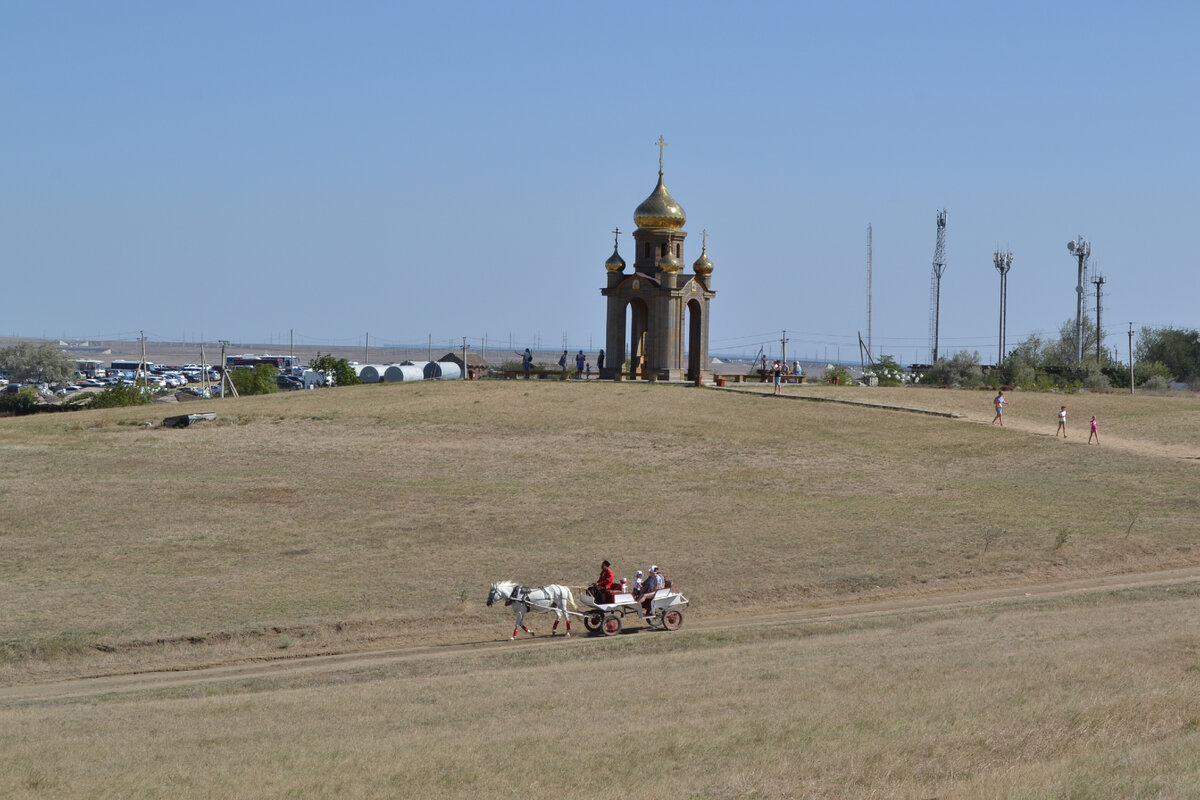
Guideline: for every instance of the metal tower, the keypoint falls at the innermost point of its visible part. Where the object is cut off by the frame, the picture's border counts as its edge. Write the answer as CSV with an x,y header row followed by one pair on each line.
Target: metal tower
x,y
1098,282
1081,250
1003,262
935,286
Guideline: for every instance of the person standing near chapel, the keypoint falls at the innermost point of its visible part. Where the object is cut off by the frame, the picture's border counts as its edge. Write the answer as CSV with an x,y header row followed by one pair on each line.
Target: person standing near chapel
x,y
580,358
527,362
562,361
600,361
777,372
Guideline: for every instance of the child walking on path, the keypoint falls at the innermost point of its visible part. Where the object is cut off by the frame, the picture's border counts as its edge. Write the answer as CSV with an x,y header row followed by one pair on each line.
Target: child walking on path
x,y
999,404
1062,423
1095,431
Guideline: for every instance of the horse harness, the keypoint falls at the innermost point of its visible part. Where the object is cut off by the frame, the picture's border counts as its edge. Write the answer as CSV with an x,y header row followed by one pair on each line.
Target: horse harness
x,y
520,594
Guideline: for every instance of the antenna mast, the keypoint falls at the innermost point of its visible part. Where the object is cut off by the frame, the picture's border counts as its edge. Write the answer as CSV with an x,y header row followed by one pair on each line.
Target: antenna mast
x,y
935,286
1081,250
869,255
1098,281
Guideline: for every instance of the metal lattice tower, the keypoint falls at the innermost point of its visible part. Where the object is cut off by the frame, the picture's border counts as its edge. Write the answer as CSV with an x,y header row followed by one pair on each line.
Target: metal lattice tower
x,y
935,286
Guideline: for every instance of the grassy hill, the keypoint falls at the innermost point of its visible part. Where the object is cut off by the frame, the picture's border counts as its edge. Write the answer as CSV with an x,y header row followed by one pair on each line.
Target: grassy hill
x,y
377,516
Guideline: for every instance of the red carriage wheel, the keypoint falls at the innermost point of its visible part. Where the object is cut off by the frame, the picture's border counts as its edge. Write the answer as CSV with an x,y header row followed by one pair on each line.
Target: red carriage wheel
x,y
611,625
672,619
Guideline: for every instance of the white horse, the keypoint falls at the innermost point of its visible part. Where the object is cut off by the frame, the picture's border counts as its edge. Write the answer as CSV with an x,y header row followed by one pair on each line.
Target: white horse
x,y
552,597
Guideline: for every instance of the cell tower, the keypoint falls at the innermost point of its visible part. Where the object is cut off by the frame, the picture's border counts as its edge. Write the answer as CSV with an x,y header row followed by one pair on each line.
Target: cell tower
x,y
1081,251
935,286
1098,282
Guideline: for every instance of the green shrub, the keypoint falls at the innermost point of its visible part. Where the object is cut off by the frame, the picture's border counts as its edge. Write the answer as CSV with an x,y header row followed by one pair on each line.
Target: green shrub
x,y
119,396
16,405
886,372
839,375
258,380
962,370
1155,383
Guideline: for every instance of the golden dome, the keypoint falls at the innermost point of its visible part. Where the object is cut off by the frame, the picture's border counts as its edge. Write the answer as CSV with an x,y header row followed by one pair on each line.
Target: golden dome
x,y
615,263
659,210
703,265
669,263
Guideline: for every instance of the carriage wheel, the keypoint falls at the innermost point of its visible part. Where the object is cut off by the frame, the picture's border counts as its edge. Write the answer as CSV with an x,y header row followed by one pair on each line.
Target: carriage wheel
x,y
593,622
611,625
672,619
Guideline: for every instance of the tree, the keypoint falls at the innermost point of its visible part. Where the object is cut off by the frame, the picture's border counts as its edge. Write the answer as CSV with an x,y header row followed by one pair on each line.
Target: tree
x,y
257,380
1062,351
1177,349
43,363
886,371
338,368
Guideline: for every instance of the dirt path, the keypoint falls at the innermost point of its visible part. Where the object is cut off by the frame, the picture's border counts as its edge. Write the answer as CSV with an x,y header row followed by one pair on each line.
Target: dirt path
x,y
1012,422
315,665
1139,446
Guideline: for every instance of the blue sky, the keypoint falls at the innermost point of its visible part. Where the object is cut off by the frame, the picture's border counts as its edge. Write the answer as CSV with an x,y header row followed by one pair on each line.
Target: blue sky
x,y
241,170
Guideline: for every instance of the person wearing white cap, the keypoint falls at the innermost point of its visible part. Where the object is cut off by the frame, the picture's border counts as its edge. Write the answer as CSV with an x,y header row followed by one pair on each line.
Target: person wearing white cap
x,y
637,583
653,582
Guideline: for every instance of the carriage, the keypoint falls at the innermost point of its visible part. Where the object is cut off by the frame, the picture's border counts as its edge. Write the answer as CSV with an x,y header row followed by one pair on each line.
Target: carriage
x,y
666,611
662,610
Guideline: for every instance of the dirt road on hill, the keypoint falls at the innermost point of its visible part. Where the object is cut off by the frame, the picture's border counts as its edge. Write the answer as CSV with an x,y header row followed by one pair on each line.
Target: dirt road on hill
x,y
103,685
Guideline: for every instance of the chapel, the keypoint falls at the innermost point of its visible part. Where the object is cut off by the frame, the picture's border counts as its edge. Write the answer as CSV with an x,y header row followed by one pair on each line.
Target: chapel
x,y
657,321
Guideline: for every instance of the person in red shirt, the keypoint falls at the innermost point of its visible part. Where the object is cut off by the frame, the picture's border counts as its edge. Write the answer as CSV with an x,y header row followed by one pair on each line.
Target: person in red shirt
x,y
604,585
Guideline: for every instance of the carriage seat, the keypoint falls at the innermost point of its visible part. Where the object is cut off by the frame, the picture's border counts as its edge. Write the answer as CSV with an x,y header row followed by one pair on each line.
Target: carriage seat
x,y
648,599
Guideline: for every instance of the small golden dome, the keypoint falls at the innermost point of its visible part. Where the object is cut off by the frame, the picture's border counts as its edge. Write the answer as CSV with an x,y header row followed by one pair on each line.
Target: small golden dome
x,y
703,265
659,210
615,263
669,263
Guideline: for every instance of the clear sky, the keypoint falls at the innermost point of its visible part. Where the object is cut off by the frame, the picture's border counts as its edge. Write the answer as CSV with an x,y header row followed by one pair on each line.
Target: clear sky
x,y
241,170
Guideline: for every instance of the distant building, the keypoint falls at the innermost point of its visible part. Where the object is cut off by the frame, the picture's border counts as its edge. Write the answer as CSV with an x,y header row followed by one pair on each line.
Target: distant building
x,y
660,311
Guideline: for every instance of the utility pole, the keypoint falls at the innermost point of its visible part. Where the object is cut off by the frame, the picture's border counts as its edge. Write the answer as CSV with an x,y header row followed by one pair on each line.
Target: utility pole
x,y
1098,282
464,351
367,349
291,343
1131,358
142,364
1003,262
1081,250
783,346
224,343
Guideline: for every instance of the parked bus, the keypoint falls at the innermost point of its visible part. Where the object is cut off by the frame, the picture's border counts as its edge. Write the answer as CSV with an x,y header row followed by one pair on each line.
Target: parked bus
x,y
281,363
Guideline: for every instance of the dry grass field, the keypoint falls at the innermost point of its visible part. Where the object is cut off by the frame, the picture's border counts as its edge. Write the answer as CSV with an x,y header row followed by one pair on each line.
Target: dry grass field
x,y
375,517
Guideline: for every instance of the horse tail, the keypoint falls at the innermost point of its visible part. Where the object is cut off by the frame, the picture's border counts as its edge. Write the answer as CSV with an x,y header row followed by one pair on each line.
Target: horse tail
x,y
570,597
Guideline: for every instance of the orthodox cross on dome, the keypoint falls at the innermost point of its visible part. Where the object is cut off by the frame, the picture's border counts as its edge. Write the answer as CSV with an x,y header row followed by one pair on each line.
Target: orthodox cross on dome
x,y
703,240
616,233
661,144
